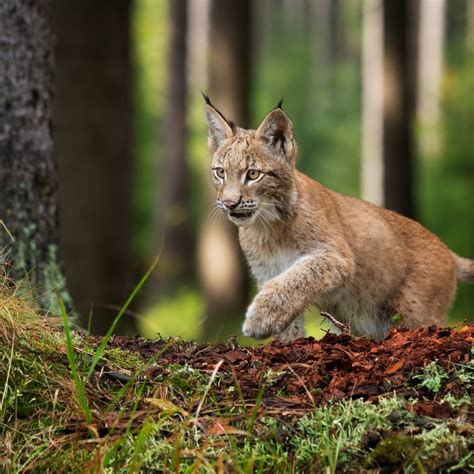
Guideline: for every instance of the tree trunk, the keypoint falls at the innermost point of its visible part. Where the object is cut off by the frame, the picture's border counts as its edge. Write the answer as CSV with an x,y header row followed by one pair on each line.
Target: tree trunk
x,y
28,180
174,230
470,25
430,69
325,16
372,99
197,43
400,28
93,117
222,270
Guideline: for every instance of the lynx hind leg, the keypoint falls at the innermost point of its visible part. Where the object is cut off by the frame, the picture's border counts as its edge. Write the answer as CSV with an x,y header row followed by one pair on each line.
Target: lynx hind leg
x,y
294,331
422,303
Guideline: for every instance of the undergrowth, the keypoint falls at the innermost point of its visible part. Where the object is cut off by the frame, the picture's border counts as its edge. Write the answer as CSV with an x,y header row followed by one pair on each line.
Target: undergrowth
x,y
70,404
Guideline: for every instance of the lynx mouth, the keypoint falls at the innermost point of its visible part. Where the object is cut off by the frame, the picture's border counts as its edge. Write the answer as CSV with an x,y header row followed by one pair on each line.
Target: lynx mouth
x,y
242,214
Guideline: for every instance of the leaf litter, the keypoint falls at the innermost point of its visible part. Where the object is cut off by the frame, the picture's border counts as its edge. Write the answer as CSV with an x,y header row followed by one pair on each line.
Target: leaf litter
x,y
309,373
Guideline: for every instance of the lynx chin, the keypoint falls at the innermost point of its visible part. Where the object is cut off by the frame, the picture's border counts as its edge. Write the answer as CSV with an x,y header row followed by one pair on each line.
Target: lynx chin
x,y
307,245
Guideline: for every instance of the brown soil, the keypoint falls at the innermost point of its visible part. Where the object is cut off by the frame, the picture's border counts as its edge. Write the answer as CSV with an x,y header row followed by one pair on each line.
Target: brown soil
x,y
309,373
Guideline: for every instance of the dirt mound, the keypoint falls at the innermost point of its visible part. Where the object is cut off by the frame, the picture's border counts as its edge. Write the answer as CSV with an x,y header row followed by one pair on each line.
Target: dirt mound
x,y
420,364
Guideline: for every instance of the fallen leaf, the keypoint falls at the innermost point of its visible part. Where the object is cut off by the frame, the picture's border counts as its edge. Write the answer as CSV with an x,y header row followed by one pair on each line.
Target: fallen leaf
x,y
234,356
395,367
221,426
166,406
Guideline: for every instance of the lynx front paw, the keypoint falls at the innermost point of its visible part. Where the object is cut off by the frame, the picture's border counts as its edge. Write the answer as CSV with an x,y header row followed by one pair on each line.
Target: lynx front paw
x,y
255,325
262,320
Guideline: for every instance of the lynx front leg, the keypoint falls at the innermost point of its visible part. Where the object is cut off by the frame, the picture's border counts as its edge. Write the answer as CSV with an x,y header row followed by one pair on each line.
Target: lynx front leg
x,y
294,331
286,296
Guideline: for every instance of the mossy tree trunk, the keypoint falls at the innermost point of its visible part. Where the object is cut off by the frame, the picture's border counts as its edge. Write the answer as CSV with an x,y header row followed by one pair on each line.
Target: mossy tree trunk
x,y
28,179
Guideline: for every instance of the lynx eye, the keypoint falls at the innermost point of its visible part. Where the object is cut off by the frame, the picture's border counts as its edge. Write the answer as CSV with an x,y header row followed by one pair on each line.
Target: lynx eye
x,y
253,175
219,173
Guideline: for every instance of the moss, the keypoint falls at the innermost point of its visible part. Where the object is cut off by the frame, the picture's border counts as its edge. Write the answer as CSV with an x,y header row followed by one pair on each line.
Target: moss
x,y
54,283
393,453
432,450
122,360
39,272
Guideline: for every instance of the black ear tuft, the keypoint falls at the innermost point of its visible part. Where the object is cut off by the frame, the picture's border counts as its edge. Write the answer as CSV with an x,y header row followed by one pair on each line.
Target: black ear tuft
x,y
280,104
210,104
276,131
206,99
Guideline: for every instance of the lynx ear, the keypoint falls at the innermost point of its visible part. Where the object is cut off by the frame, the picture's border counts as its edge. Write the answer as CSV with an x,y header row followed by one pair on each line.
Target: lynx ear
x,y
219,128
276,131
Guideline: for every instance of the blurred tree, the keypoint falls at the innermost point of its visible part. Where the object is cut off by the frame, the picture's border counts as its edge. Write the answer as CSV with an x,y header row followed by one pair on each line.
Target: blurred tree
x,y
174,228
28,179
470,25
430,69
93,120
323,17
198,28
222,272
446,183
372,98
400,26
459,16
326,17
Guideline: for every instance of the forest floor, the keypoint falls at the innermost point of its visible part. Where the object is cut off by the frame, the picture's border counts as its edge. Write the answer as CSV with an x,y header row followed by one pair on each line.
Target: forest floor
x,y
71,402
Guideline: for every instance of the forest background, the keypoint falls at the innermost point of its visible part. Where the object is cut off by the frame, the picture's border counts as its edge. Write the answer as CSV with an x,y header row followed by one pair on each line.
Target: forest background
x,y
381,94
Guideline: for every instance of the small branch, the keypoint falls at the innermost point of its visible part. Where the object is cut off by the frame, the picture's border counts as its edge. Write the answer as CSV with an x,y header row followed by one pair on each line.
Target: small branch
x,y
345,328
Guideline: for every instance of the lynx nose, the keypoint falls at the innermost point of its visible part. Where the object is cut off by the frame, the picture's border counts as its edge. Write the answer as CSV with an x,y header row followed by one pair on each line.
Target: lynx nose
x,y
230,204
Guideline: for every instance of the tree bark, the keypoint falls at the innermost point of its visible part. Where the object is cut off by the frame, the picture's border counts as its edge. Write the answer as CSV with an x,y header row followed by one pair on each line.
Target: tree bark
x,y
222,271
176,265
400,28
28,180
94,129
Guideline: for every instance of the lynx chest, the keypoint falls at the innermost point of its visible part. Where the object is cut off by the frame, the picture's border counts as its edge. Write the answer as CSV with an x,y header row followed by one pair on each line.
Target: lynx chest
x,y
267,266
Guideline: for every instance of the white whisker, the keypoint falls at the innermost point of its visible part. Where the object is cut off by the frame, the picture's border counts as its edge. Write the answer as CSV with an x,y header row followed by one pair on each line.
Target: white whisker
x,y
271,214
214,214
263,224
275,204
264,220
276,207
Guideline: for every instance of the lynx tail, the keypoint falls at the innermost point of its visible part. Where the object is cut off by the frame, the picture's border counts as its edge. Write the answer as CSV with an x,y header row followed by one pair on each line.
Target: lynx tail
x,y
464,269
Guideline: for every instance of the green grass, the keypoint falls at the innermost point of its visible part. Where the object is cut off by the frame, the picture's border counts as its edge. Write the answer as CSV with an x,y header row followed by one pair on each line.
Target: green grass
x,y
57,415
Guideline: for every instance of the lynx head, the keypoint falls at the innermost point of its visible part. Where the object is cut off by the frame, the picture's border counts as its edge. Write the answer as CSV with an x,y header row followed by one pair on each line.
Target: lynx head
x,y
252,170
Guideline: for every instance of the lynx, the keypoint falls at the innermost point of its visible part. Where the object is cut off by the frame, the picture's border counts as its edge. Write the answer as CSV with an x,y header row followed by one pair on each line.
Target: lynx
x,y
307,245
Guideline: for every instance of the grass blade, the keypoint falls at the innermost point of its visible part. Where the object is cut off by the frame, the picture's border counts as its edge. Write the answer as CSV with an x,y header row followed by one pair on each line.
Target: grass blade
x,y
71,356
100,350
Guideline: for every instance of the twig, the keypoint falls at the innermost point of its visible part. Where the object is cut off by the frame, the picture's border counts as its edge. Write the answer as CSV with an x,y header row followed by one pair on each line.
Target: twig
x,y
345,328
304,386
201,402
